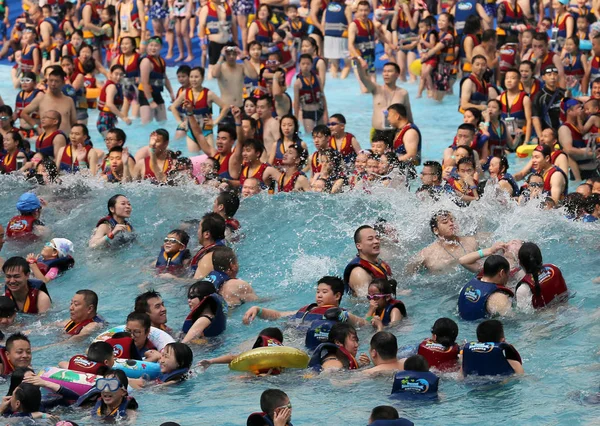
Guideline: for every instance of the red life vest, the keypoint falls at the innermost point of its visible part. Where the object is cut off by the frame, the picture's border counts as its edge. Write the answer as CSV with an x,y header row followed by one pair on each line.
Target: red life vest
x,y
8,367
315,165
122,347
132,66
508,56
258,174
535,87
24,99
9,163
552,285
548,176
517,105
31,301
74,328
232,223
290,184
555,154
117,100
45,143
223,163
82,364
548,60
481,86
203,252
212,18
310,90
20,226
149,173
437,355
68,162
346,148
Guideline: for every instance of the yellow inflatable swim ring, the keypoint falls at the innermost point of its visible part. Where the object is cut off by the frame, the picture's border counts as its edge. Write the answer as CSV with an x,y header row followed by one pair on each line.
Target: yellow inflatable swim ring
x,y
269,357
525,151
92,93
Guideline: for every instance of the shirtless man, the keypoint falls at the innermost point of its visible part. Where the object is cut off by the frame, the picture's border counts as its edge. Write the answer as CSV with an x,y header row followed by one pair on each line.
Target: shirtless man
x,y
270,125
487,48
54,100
447,250
216,21
383,350
385,95
230,75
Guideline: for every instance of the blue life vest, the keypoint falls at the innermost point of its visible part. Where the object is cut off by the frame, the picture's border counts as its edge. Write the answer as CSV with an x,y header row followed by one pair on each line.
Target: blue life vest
x,y
174,376
413,383
321,319
61,263
589,218
396,422
473,298
513,183
121,411
171,264
463,9
336,23
217,278
218,323
486,359
316,360
392,304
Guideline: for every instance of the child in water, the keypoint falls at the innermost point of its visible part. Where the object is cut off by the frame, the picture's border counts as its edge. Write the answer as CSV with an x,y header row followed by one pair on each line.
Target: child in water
x,y
384,309
270,336
208,312
441,350
54,259
114,400
174,257
175,363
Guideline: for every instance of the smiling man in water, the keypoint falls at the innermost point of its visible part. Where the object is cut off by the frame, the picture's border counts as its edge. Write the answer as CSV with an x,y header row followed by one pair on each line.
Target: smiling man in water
x,y
152,304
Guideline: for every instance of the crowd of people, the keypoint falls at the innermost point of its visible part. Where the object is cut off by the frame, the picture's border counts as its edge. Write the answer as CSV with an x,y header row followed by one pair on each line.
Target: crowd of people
x,y
528,81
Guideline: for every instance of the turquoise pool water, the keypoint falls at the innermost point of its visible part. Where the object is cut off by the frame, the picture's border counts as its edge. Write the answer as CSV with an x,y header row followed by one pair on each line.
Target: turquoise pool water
x,y
292,240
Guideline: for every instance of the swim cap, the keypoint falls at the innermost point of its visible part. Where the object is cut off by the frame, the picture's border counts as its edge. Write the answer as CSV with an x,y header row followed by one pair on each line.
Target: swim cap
x,y
63,246
28,202
564,2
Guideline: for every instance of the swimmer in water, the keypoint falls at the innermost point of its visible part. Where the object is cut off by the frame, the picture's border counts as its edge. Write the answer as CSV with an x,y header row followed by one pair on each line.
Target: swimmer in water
x,y
383,351
445,253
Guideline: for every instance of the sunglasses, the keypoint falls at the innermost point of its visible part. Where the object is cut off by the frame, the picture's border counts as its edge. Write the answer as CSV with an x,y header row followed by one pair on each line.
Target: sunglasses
x,y
50,245
173,241
332,123
5,118
26,80
536,185
112,384
376,296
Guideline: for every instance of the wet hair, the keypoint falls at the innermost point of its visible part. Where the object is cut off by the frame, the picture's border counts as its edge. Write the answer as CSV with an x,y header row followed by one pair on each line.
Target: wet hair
x,y
339,117
29,396
381,136
488,35
16,262
183,354
100,352
252,44
416,363
386,344
470,152
429,21
465,160
305,56
384,412
51,169
399,108
89,297
89,65
476,57
335,283
58,73
112,202
392,64
494,264
6,109
295,136
17,377
141,317
543,37
446,331
8,307
222,258
477,114
590,203
472,24
119,375
574,203
436,168
337,162
215,224
13,338
490,331
119,134
503,162
272,399
199,69
182,236
256,145
117,67
272,332
384,286
530,258
111,10
201,289
230,201
357,232
321,129
468,126
141,301
184,69
230,130
268,10
433,222
495,101
340,331
301,152
164,134
529,64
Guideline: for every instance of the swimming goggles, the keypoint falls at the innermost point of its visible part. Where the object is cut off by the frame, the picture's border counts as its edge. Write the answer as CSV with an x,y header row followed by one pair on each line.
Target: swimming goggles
x,y
376,296
5,118
26,80
288,405
332,123
551,70
536,185
111,384
172,241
